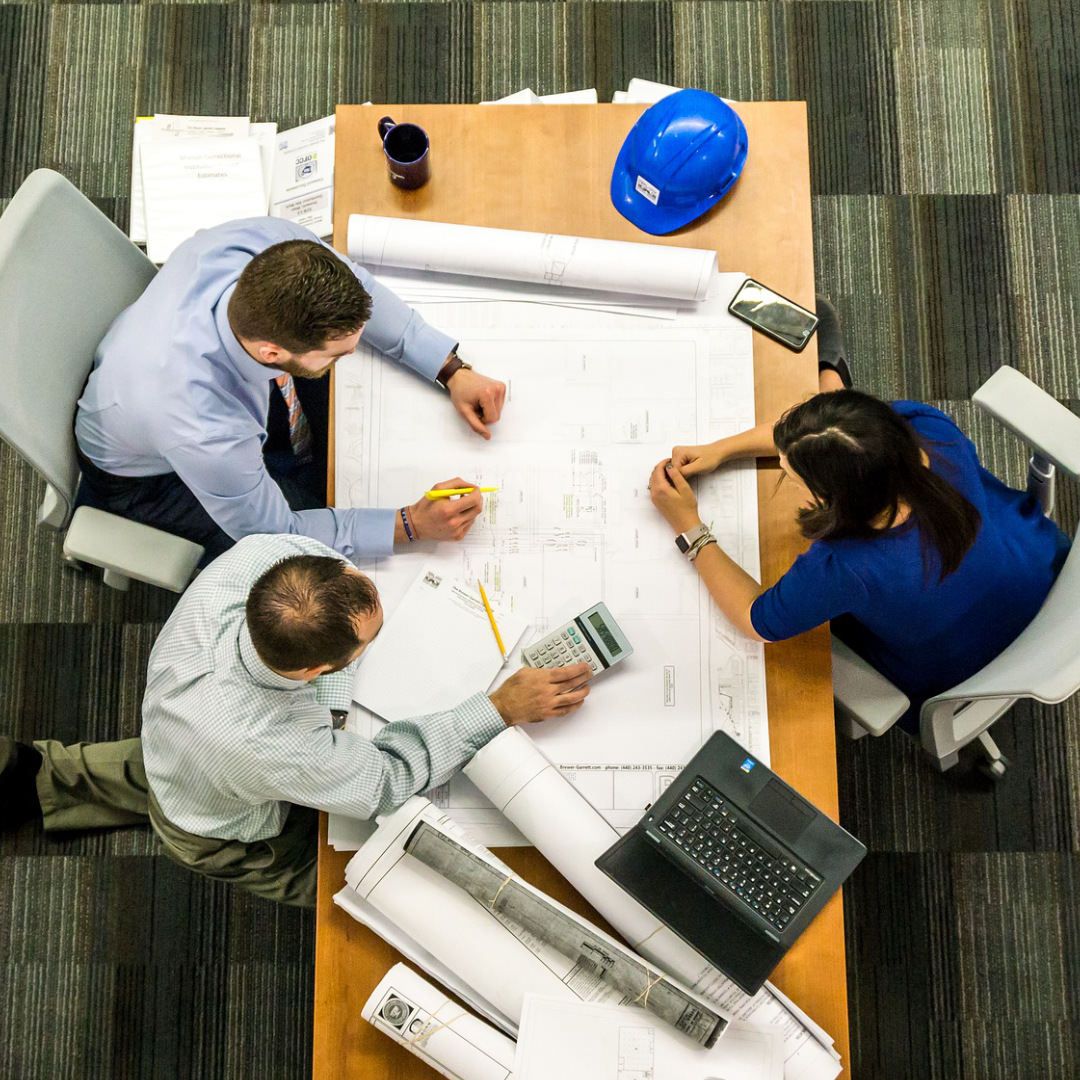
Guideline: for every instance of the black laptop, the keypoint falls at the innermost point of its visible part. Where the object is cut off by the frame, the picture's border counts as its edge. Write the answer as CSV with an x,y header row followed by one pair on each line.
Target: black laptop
x,y
733,860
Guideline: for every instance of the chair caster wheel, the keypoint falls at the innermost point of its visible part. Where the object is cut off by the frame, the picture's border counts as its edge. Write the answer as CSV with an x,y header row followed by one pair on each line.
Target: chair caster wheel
x,y
994,770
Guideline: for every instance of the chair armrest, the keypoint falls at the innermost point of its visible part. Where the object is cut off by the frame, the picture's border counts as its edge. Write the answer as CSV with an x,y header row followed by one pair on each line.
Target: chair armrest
x,y
863,694
130,549
1031,413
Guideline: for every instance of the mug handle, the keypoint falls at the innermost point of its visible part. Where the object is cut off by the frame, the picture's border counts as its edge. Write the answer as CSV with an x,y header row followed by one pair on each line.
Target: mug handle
x,y
385,124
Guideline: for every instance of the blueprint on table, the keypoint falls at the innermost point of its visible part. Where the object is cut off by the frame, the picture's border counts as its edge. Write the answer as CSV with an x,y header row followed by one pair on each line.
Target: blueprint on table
x,y
594,401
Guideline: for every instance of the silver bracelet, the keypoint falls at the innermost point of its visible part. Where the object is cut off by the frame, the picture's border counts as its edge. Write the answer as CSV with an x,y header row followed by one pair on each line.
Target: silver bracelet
x,y
700,544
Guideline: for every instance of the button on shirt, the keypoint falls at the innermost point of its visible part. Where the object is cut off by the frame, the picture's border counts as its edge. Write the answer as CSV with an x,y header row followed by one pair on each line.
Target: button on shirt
x,y
228,743
172,390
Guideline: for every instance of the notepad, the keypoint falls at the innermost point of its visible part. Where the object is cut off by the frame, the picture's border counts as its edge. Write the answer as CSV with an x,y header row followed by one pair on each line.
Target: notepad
x,y
435,649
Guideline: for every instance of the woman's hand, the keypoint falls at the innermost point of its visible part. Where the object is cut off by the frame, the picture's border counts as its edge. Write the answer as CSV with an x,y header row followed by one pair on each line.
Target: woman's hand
x,y
695,460
673,497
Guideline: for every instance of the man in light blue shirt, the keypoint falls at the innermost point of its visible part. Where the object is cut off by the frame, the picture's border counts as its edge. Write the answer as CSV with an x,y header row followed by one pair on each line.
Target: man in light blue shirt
x,y
172,425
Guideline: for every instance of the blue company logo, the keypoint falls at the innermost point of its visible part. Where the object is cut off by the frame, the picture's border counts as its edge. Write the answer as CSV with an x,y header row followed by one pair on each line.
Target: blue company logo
x,y
748,764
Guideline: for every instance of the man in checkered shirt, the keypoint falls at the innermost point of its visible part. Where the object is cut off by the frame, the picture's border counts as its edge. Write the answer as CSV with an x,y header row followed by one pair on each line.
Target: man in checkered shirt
x,y
240,746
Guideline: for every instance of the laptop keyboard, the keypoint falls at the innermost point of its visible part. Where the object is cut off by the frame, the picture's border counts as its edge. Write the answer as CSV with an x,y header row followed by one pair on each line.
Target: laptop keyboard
x,y
709,829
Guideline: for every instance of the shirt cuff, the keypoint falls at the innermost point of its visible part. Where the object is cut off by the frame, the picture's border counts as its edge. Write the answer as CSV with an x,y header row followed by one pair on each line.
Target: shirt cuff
x,y
479,721
428,351
378,538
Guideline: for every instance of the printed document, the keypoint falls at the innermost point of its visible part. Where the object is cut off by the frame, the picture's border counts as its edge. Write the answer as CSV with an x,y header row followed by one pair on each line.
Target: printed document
x,y
436,649
302,190
576,1040
192,184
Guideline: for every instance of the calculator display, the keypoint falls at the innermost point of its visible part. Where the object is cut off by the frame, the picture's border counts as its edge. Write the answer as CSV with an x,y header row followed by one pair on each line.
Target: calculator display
x,y
605,634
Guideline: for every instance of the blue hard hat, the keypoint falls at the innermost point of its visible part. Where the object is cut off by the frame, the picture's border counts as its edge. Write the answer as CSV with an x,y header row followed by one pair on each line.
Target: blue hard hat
x,y
679,160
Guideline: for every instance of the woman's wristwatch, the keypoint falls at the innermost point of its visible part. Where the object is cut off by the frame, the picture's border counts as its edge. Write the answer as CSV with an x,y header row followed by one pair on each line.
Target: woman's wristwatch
x,y
693,540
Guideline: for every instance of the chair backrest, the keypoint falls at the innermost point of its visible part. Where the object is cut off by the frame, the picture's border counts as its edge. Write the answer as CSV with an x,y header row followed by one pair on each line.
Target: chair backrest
x,y
66,272
1044,661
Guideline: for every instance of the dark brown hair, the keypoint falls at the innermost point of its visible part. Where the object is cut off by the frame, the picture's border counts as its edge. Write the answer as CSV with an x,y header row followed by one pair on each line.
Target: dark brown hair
x,y
861,460
298,295
302,612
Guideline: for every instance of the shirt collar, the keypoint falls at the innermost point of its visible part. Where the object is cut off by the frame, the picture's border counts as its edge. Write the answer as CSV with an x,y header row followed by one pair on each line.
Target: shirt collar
x,y
259,672
247,367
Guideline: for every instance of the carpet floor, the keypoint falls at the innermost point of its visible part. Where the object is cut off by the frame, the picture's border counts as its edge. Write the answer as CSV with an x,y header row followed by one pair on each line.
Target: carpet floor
x,y
945,164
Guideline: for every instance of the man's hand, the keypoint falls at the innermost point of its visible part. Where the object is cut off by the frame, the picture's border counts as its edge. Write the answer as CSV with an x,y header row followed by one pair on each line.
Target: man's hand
x,y
533,694
673,497
443,519
478,399
695,460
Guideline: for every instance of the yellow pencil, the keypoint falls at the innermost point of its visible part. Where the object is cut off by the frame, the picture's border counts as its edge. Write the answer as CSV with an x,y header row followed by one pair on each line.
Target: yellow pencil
x,y
446,493
491,619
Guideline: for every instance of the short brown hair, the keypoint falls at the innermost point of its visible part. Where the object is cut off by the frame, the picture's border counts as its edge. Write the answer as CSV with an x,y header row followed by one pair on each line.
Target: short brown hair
x,y
299,295
302,612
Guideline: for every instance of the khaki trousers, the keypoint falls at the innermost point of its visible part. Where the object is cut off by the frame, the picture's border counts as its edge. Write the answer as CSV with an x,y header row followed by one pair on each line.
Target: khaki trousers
x,y
102,785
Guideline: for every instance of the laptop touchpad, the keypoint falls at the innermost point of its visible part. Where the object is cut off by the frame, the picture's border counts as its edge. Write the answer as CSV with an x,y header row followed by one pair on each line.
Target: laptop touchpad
x,y
786,814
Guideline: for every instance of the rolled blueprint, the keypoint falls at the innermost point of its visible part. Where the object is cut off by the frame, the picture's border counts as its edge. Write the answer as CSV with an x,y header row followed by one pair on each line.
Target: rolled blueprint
x,y
487,959
419,1016
575,262
557,819
539,915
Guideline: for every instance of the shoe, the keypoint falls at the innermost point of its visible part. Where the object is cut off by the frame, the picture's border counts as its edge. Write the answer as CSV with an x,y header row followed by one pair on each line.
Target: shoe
x,y
832,349
19,765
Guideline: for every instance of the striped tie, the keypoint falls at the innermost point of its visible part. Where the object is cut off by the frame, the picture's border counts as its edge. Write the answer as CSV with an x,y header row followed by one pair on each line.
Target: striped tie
x,y
299,431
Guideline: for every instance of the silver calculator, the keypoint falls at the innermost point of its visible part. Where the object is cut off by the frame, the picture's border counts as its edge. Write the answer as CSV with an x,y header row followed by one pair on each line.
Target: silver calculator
x,y
593,637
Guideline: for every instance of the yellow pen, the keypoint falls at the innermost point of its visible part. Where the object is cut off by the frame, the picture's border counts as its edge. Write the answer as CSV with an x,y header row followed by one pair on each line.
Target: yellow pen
x,y
446,493
491,619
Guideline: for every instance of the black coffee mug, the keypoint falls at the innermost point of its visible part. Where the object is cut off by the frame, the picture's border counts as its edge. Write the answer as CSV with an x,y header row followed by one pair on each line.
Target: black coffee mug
x,y
408,153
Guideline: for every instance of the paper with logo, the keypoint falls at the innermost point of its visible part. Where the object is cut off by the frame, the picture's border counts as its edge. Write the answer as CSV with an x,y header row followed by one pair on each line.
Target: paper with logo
x,y
303,184
421,1017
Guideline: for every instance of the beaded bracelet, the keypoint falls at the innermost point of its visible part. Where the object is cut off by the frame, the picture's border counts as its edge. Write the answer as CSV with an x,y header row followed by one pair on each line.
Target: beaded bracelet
x,y
405,522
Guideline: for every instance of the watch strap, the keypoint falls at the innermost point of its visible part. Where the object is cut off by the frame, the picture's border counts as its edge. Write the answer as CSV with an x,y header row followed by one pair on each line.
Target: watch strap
x,y
685,541
450,369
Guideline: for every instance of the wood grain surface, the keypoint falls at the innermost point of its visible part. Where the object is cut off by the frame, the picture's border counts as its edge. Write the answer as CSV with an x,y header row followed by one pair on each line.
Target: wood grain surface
x,y
547,168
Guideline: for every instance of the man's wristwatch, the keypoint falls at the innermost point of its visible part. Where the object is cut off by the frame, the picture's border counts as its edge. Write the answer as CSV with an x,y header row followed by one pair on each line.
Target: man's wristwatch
x,y
685,541
450,369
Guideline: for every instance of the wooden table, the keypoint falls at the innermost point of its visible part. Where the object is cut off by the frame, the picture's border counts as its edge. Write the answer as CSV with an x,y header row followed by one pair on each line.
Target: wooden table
x,y
547,168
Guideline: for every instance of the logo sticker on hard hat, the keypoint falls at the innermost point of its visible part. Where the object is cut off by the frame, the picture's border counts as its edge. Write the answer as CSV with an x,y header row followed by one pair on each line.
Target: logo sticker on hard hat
x,y
643,187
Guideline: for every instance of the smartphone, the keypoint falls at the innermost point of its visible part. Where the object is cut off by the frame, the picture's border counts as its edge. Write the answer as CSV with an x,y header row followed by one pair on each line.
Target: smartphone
x,y
774,315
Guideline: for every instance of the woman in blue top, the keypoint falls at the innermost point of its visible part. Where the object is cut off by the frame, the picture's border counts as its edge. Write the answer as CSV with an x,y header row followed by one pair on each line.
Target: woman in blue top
x,y
924,563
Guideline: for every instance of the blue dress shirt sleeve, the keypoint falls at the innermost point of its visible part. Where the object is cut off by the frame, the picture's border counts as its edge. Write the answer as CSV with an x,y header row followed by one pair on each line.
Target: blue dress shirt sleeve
x,y
399,333
228,476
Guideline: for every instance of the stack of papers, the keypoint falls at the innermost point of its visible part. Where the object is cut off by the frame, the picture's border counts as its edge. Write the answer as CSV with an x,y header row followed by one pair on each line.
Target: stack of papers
x,y
527,97
194,172
645,92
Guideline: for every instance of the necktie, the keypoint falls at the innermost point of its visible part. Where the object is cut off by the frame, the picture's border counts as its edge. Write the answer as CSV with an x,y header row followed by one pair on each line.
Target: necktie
x,y
299,431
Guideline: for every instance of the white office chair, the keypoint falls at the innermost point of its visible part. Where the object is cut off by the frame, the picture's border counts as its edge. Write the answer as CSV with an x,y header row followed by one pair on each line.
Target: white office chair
x,y
65,273
1042,663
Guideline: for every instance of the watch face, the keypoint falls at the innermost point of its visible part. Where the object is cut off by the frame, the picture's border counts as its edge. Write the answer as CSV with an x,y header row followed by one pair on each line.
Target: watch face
x,y
682,544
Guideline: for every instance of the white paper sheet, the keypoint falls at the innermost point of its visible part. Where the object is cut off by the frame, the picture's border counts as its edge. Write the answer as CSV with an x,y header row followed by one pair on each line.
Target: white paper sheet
x,y
192,184
527,97
436,649
169,126
679,273
575,1040
572,523
303,184
419,1016
517,778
